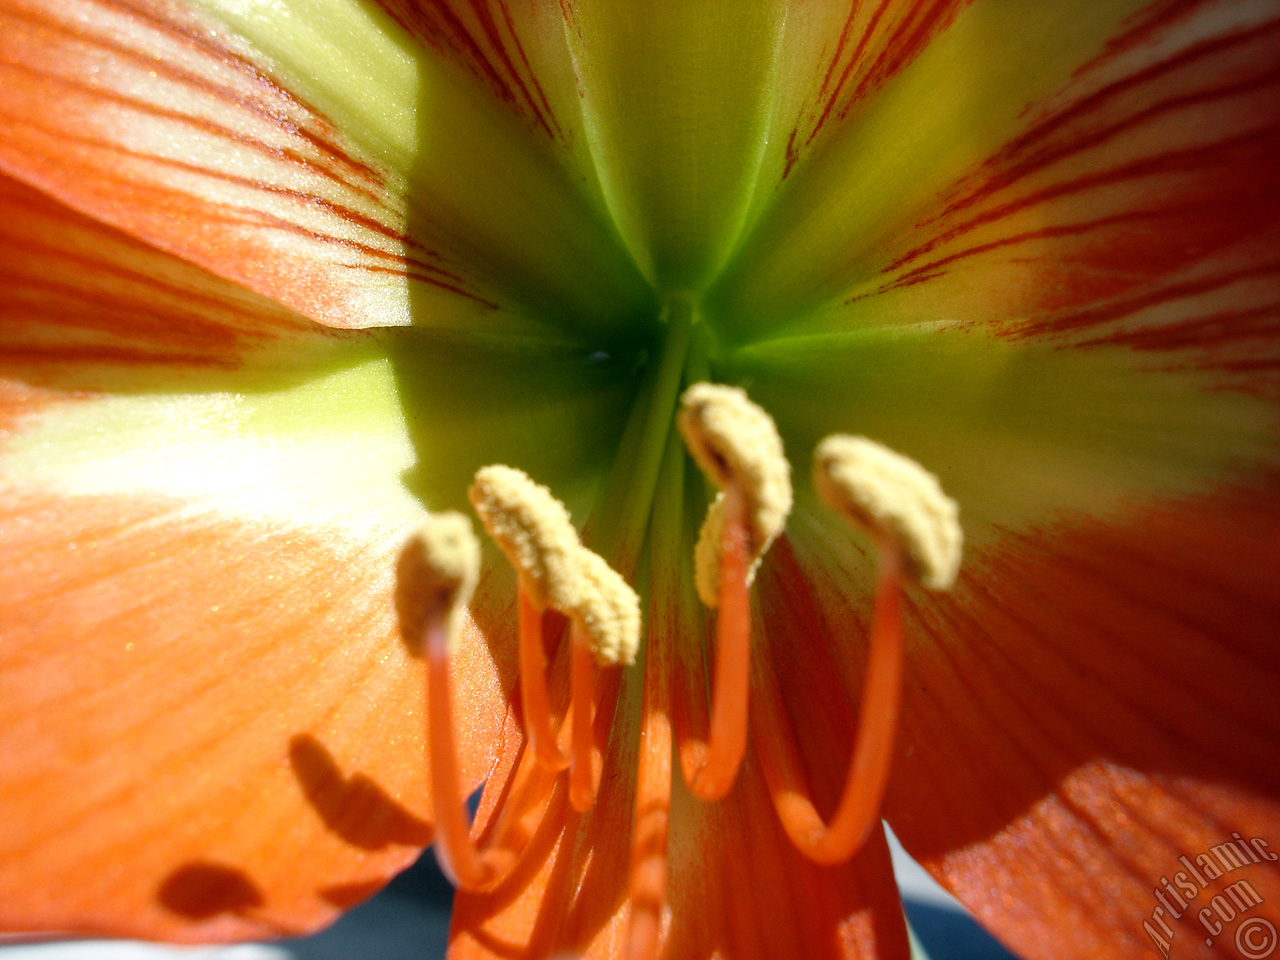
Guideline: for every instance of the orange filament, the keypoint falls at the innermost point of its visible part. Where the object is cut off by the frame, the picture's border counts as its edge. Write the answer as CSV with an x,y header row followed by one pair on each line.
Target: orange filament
x,y
582,780
648,889
467,866
533,686
859,809
710,768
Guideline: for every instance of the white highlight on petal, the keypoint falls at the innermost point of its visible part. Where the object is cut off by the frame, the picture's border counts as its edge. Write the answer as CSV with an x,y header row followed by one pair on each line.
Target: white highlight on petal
x,y
327,454
274,9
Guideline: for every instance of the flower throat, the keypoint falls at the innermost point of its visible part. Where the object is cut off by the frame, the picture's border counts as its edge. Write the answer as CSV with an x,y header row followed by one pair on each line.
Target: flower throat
x,y
735,443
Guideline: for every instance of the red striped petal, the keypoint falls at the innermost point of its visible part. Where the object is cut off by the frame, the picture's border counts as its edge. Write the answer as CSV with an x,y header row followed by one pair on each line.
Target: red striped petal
x,y
148,116
87,306
210,726
1092,703
859,47
517,52
977,187
368,211
1137,208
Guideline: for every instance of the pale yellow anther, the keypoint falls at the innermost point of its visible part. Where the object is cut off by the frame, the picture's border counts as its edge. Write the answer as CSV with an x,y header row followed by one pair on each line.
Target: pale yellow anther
x,y
737,445
438,573
608,610
891,495
533,529
706,554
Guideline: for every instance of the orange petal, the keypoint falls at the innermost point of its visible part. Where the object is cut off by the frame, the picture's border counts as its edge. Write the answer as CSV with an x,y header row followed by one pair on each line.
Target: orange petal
x,y
211,730
1137,207
317,156
209,725
88,307
1094,701
187,719
156,120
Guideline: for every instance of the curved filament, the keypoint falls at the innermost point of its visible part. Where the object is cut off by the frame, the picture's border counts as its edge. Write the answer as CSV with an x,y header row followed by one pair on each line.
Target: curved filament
x,y
468,867
859,808
648,888
710,767
533,686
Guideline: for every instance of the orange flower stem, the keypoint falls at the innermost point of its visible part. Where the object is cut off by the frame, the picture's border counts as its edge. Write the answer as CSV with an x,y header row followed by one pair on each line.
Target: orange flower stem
x,y
710,768
533,686
582,785
468,867
859,808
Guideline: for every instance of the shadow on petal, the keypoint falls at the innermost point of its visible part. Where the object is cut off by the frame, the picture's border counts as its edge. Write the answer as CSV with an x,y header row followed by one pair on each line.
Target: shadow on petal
x,y
202,890
355,808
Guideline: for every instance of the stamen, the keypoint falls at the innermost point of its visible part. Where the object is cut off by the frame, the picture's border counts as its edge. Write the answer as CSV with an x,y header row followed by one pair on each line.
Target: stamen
x,y
648,886
606,628
608,609
877,489
533,529
582,774
671,621
859,807
916,528
711,768
439,571
737,445
647,891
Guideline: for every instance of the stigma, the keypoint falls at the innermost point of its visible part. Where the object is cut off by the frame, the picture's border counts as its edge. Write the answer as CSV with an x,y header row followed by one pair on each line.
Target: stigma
x,y
912,525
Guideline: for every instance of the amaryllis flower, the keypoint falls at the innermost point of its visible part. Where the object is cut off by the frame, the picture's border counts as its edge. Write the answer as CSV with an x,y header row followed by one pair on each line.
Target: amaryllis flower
x,y
279,275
